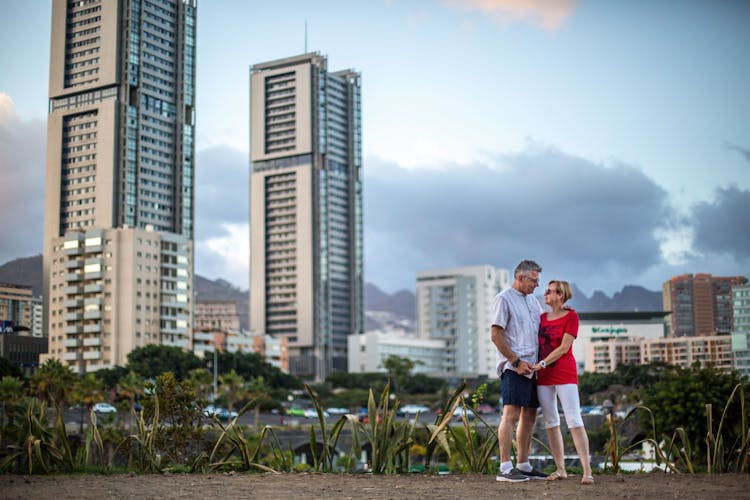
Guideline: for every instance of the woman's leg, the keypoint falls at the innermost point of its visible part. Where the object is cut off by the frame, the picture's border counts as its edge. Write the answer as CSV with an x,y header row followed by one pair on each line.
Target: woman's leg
x,y
568,394
548,401
581,441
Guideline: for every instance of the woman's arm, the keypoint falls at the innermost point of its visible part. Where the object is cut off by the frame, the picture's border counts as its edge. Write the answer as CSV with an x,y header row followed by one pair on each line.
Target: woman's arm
x,y
556,354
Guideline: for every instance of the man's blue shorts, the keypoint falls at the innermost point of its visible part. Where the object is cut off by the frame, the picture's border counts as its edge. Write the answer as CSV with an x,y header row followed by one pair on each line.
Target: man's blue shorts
x,y
518,390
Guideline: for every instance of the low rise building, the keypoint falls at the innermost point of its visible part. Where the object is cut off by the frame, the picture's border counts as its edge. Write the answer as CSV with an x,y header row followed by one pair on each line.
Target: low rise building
x,y
616,330
716,350
368,351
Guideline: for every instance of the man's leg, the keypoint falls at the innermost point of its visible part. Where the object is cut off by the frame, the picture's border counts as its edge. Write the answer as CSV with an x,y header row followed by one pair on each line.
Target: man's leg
x,y
523,434
508,422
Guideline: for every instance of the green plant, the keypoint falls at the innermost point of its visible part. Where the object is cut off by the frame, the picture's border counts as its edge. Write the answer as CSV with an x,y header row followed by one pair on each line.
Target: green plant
x,y
389,440
142,442
247,447
474,446
719,456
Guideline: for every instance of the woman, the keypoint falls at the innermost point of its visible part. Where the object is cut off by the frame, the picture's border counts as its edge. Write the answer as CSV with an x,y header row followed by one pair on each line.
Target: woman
x,y
557,377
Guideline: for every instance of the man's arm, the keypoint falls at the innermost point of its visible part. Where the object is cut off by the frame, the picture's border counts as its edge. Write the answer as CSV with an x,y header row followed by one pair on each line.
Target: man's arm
x,y
498,338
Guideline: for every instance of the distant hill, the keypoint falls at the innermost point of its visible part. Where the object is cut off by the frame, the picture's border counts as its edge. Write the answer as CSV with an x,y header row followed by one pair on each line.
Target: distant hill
x,y
630,298
219,289
24,271
382,309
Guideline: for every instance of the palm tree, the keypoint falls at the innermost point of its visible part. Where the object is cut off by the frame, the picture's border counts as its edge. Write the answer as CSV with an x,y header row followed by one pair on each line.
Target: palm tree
x,y
11,396
202,380
52,383
257,389
131,386
232,385
87,391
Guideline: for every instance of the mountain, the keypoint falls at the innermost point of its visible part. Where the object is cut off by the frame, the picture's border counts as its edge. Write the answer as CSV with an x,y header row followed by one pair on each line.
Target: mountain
x,y
24,271
630,298
219,289
382,310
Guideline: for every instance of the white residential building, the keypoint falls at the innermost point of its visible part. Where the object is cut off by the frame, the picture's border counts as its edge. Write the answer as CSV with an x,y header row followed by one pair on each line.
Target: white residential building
x,y
455,306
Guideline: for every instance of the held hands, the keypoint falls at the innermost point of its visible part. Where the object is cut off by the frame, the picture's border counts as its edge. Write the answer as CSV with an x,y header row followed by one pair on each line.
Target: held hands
x,y
525,368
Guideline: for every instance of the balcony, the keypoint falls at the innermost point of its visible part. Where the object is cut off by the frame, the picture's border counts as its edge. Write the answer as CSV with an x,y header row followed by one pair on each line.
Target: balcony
x,y
73,277
73,303
73,264
73,316
93,288
93,276
95,328
92,315
73,290
95,341
71,342
92,355
71,356
74,251
72,330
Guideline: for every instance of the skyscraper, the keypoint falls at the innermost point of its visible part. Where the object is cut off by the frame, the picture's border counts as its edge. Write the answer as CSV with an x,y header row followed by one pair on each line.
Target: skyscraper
x,y
306,209
119,187
700,304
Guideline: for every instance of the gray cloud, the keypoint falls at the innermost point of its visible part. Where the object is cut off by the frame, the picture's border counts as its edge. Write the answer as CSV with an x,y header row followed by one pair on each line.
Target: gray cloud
x,y
22,170
723,225
222,190
744,152
590,223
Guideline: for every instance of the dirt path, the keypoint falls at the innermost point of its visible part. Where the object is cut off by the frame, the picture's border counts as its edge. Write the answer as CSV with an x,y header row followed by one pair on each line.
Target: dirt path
x,y
342,486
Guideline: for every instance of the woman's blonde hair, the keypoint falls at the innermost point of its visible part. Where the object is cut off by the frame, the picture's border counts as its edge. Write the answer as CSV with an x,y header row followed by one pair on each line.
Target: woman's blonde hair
x,y
564,288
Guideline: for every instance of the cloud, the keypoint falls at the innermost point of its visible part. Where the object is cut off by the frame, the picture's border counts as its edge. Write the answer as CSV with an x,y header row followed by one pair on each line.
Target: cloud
x,y
22,171
743,151
596,225
722,226
221,208
548,15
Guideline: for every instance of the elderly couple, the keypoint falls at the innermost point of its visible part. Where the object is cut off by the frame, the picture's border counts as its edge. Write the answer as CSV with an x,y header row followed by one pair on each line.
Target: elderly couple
x,y
537,367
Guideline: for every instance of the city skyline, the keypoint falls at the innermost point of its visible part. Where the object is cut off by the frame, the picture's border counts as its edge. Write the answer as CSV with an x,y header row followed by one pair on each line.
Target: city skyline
x,y
607,141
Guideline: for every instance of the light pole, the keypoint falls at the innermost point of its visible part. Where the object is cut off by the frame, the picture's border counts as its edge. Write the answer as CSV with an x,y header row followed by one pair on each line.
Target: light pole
x,y
216,371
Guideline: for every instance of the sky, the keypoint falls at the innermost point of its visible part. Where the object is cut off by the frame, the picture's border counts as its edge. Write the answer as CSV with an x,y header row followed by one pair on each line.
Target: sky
x,y
608,140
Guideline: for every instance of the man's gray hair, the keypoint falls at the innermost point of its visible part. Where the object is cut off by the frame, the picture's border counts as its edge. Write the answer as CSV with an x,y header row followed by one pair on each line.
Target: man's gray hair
x,y
527,266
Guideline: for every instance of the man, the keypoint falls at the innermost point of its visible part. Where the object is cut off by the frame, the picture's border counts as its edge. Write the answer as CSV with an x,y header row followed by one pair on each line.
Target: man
x,y
515,327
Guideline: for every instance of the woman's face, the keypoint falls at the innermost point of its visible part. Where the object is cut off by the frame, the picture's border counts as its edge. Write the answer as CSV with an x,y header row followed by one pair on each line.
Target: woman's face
x,y
552,295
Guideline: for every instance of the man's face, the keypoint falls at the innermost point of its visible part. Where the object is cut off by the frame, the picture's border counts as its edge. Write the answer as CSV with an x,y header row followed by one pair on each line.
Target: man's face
x,y
529,281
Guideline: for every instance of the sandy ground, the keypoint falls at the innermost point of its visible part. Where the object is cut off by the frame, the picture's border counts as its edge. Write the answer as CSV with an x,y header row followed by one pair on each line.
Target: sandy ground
x,y
335,486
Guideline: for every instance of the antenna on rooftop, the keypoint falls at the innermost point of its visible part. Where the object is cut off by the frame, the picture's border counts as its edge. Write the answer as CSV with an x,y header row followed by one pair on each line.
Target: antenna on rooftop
x,y
305,36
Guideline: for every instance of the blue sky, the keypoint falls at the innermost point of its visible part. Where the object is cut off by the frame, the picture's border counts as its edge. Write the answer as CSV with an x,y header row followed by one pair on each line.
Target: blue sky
x,y
610,140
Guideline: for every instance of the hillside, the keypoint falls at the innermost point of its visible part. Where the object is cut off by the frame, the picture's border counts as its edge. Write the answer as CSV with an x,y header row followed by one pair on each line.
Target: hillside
x,y
382,309
24,271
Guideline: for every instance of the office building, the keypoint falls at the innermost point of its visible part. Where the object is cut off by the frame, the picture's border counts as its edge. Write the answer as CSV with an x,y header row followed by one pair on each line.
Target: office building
x,y
306,210
120,171
741,328
455,305
700,304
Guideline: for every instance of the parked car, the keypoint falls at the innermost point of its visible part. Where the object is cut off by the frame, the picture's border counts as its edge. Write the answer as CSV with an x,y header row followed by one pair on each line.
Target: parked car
x,y
313,413
295,412
460,411
485,408
224,414
104,408
413,409
211,410
338,411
